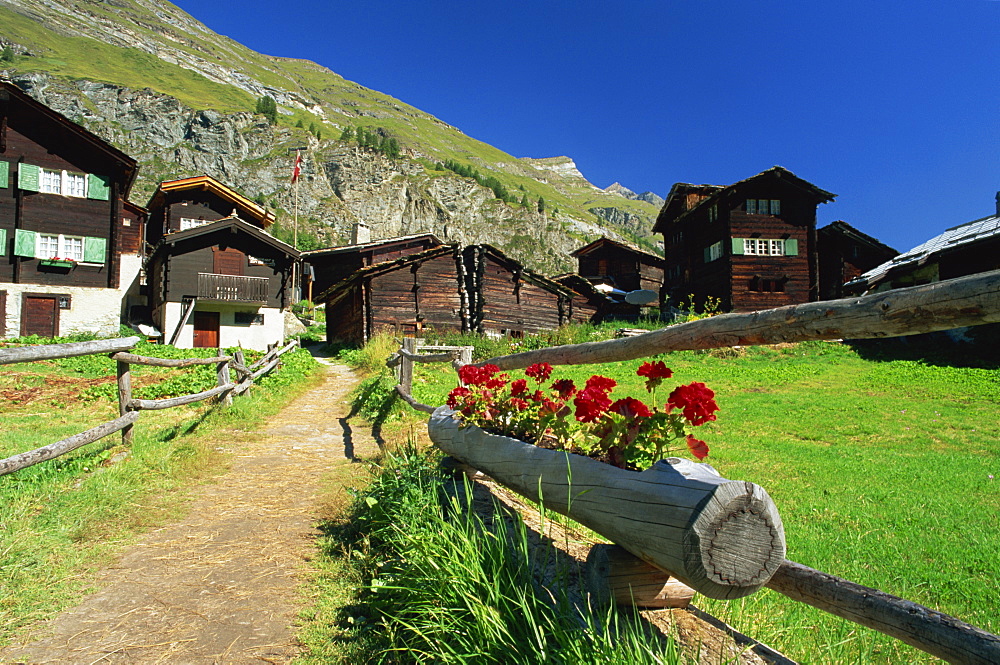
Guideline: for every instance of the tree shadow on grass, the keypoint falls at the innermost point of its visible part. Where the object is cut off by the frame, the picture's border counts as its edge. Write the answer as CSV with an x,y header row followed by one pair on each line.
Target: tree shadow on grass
x,y
975,347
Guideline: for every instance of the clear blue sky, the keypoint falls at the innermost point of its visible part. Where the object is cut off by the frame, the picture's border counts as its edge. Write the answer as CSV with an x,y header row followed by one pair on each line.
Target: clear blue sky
x,y
892,105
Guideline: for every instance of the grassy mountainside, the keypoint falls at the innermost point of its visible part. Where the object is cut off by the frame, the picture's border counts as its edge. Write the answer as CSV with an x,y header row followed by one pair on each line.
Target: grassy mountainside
x,y
155,47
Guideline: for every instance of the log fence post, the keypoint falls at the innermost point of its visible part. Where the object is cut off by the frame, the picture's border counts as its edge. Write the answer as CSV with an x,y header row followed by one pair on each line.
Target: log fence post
x,y
222,374
616,575
125,398
406,366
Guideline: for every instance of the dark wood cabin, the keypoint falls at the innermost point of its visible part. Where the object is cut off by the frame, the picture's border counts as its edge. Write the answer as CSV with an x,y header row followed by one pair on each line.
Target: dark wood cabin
x,y
405,296
334,264
63,222
962,250
221,284
179,205
747,246
844,255
587,305
505,298
627,268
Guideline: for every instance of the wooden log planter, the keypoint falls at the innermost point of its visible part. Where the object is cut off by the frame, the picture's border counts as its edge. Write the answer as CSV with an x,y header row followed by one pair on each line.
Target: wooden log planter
x,y
720,537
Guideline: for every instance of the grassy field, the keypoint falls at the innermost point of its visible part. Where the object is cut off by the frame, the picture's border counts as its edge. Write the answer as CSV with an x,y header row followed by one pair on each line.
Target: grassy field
x,y
884,470
62,519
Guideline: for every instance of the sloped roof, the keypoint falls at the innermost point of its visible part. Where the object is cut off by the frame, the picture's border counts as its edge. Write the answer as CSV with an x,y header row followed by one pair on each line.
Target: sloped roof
x,y
131,166
340,289
845,229
603,240
957,236
207,182
530,275
228,225
714,193
343,249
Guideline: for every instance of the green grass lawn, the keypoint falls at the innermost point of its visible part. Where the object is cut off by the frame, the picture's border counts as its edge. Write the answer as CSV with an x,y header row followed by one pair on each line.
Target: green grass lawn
x,y
886,472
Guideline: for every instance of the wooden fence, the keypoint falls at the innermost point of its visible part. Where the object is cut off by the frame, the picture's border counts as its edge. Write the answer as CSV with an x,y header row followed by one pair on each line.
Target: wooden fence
x,y
129,408
967,301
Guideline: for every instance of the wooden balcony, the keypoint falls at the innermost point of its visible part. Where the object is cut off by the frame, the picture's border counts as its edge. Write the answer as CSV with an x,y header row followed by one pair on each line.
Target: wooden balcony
x,y
232,288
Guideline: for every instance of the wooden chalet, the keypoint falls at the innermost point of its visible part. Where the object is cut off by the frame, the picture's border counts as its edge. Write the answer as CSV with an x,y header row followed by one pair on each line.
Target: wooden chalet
x,y
751,245
216,279
627,268
588,304
334,264
70,239
844,255
505,298
405,296
965,249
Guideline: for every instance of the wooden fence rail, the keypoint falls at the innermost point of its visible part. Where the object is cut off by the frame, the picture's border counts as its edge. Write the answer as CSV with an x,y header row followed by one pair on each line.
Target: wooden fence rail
x,y
966,301
129,409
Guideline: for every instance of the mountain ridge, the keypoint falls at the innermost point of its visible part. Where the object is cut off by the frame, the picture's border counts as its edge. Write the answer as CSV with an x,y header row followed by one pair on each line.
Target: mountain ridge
x,y
180,98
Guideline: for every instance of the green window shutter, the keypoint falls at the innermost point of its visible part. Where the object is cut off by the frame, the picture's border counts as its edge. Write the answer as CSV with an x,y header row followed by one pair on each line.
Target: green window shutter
x,y
27,177
707,255
791,247
737,246
94,249
3,242
4,173
24,243
98,187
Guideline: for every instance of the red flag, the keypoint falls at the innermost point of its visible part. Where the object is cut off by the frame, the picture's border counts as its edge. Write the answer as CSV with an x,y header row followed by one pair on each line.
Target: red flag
x,y
296,169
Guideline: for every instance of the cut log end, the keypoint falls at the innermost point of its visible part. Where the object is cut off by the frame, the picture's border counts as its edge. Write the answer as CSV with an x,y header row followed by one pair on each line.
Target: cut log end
x,y
739,540
615,575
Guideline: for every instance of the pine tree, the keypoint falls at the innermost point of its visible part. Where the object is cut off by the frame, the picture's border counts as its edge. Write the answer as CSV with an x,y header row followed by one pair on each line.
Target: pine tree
x,y
7,55
300,124
541,204
267,107
524,202
347,134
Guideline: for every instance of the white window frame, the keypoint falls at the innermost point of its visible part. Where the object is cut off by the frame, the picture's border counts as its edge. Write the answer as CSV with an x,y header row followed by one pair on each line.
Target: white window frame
x,y
763,206
715,251
66,247
190,223
63,182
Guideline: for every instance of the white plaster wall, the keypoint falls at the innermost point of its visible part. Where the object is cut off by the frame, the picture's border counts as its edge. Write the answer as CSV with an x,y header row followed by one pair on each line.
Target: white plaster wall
x,y
91,309
255,337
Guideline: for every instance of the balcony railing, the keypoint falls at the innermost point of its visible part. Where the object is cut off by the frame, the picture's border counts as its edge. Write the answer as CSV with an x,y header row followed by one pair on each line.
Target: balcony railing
x,y
232,288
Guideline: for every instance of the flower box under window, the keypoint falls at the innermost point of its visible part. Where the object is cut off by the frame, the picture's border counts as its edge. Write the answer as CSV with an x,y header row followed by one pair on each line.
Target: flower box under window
x,y
57,263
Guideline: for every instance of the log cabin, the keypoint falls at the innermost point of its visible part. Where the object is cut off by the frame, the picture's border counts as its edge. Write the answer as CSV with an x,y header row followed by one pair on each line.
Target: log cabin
x,y
505,298
71,241
405,296
747,246
334,264
216,279
844,255
627,268
962,250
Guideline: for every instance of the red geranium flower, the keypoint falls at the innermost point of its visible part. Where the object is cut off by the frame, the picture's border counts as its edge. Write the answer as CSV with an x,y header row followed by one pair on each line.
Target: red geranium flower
x,y
564,387
540,372
518,387
518,403
456,395
655,370
473,375
602,383
591,404
697,402
631,407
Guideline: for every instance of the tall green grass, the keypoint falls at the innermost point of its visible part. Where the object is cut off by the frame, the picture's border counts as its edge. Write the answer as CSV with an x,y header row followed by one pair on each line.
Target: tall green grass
x,y
441,587
886,471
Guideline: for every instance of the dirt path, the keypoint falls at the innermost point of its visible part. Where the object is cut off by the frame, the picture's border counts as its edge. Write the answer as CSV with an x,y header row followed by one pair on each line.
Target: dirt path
x,y
220,585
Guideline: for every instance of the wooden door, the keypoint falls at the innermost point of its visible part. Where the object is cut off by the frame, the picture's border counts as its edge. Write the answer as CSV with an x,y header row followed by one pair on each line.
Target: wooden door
x,y
40,316
228,261
3,313
206,330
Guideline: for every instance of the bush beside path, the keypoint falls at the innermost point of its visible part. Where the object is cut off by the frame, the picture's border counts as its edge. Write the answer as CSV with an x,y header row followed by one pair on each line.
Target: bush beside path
x,y
220,585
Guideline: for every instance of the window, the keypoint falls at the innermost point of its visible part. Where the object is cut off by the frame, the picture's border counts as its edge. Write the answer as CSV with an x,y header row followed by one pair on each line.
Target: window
x,y
763,207
32,244
713,252
713,213
766,247
62,182
768,284
59,247
190,223
248,318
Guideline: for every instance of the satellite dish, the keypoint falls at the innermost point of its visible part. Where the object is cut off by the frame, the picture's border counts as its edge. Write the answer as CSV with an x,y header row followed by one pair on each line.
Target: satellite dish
x,y
642,297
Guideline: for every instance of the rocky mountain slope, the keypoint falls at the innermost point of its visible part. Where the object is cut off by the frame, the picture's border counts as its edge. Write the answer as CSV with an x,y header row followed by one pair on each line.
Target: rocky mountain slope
x,y
181,99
